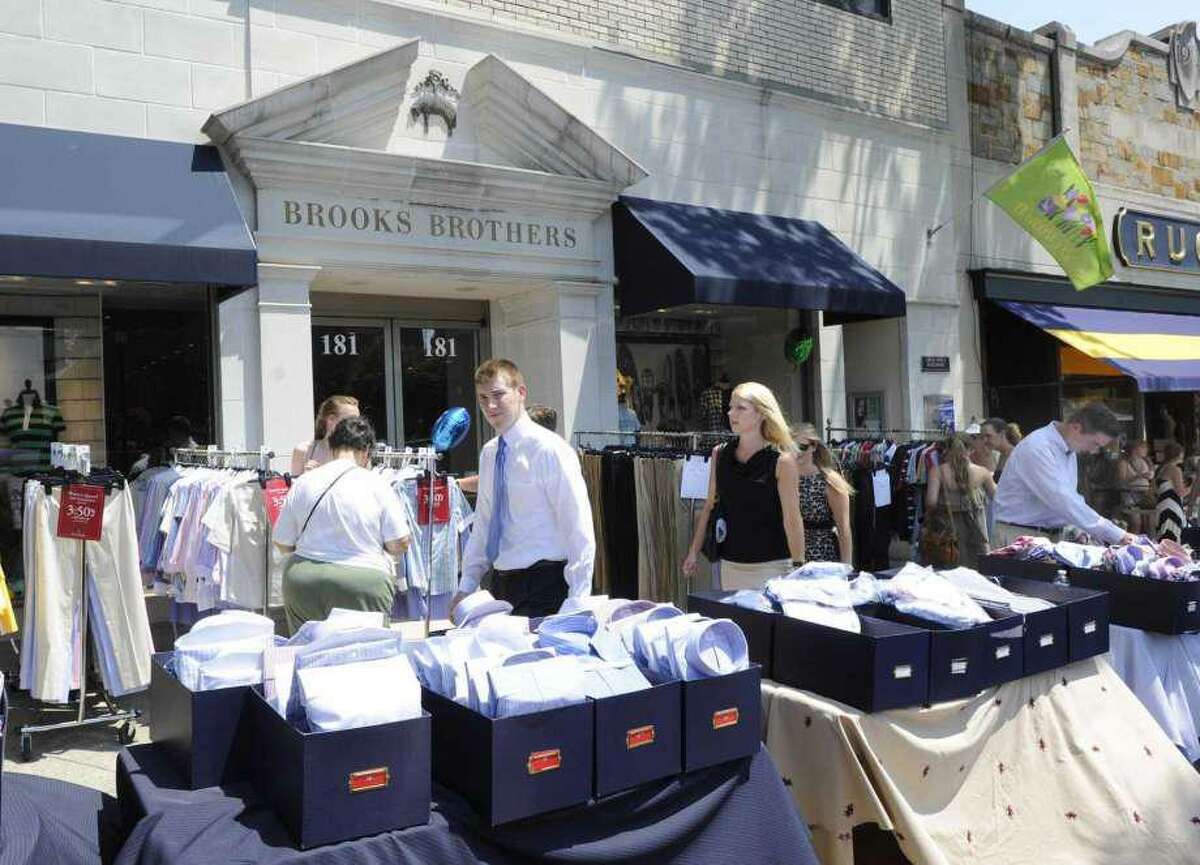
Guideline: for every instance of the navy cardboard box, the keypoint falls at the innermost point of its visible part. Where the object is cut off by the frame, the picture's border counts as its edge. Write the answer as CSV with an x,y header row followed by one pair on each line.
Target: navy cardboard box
x,y
511,768
1006,566
1138,602
885,666
201,731
639,737
1046,643
722,718
336,786
964,661
758,626
1085,629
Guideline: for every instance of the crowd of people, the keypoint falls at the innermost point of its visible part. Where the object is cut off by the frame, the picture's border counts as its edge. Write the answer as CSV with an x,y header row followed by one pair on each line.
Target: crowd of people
x,y
776,499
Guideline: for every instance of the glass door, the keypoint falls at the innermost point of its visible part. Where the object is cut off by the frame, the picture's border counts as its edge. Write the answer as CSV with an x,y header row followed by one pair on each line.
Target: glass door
x,y
354,357
438,372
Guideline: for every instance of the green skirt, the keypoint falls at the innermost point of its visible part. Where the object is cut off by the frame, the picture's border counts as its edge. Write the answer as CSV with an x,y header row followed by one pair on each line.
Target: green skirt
x,y
311,589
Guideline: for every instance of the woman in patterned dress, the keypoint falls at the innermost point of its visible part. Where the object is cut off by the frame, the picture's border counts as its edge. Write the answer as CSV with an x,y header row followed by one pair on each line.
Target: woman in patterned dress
x,y
1172,492
824,500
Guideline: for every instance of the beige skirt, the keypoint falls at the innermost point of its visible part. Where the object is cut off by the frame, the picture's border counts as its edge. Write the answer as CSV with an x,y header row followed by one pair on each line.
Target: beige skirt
x,y
740,575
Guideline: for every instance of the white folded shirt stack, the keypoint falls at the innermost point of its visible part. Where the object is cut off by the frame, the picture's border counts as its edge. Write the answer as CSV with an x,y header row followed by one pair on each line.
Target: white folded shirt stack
x,y
919,591
988,593
224,651
828,601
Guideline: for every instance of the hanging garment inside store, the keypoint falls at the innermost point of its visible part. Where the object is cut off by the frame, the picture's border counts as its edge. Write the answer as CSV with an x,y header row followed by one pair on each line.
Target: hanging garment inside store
x,y
593,478
55,590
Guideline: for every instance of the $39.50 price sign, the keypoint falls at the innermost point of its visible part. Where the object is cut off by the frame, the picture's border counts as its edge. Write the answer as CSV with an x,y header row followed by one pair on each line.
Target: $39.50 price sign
x,y
81,512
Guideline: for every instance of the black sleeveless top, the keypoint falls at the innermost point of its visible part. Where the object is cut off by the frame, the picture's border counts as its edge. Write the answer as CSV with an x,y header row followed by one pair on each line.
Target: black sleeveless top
x,y
749,498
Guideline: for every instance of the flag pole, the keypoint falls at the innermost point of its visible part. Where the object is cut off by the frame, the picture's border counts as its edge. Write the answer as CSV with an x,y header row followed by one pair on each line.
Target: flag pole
x,y
930,232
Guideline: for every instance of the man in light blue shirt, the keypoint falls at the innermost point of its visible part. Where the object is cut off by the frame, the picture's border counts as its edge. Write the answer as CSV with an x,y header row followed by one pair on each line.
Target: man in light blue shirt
x,y
1039,491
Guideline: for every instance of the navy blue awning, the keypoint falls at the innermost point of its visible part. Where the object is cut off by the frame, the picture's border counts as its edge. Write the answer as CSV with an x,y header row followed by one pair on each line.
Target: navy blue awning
x,y
670,254
76,204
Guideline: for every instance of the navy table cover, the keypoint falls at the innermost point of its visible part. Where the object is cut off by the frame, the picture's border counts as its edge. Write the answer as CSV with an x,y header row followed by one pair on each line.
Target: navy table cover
x,y
44,821
737,812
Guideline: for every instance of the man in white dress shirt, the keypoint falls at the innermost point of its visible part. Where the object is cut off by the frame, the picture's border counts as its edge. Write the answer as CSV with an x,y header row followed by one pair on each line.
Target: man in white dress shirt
x,y
1039,491
533,522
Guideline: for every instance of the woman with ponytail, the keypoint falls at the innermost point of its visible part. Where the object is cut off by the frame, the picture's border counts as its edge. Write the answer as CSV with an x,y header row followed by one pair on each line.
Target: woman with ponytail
x,y
824,500
964,489
756,486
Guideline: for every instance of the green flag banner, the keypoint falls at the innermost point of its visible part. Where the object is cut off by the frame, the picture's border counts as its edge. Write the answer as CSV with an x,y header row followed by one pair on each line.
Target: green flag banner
x,y
1051,198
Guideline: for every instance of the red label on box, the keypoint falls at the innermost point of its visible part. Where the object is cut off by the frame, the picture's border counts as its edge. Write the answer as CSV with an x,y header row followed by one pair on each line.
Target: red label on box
x,y
81,515
441,502
639,736
723,718
369,779
544,761
275,492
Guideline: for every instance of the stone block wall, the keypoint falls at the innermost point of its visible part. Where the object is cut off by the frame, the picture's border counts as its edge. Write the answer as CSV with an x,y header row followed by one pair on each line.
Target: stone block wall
x,y
1132,133
1010,91
158,68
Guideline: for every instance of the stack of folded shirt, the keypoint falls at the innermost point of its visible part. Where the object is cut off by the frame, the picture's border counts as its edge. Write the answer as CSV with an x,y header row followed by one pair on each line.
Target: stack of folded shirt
x,y
920,592
689,647
990,594
822,570
342,673
224,651
826,601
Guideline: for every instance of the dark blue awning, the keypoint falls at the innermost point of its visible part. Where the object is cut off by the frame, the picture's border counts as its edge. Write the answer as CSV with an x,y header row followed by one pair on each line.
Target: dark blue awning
x,y
76,204
671,254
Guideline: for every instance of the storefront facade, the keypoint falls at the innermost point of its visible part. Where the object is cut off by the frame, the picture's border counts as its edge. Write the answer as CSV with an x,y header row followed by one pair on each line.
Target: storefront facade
x,y
430,186
1135,132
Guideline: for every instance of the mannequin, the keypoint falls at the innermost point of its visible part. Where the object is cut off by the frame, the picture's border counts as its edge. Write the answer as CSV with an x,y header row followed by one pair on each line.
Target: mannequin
x,y
30,425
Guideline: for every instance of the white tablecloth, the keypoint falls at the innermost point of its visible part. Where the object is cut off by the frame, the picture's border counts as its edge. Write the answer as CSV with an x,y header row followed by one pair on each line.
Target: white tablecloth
x,y
1163,670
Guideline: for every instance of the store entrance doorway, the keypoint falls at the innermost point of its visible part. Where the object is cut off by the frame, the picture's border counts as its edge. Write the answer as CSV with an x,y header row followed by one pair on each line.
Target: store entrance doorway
x,y
403,373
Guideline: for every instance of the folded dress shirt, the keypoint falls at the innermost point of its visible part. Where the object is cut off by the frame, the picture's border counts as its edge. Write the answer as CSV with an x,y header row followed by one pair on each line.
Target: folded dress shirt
x,y
359,694
537,686
828,601
987,592
223,651
920,592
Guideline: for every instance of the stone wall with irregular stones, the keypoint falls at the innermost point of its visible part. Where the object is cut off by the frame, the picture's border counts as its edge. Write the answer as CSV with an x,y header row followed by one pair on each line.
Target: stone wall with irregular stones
x,y
1009,88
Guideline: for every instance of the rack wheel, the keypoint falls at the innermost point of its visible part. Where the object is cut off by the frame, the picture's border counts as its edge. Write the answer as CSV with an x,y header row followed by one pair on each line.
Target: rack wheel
x,y
26,747
126,733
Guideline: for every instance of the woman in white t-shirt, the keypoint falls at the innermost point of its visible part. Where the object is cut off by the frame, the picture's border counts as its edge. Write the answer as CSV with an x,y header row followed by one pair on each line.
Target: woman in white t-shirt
x,y
343,523
333,410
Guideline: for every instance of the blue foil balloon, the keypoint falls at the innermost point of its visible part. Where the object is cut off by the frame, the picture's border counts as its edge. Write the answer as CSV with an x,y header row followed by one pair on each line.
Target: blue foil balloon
x,y
450,429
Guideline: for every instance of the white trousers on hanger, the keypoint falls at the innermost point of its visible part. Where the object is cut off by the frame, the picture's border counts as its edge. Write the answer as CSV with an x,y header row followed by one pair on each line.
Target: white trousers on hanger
x,y
113,565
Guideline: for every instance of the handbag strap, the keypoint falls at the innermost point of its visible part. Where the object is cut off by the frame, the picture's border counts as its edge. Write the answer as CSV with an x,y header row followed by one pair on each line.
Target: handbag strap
x,y
318,501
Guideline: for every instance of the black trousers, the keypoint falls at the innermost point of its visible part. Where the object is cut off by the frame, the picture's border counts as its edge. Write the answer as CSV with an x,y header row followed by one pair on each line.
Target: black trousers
x,y
538,590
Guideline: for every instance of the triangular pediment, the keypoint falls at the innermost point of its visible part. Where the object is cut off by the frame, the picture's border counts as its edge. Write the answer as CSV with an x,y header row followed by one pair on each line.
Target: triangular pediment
x,y
502,120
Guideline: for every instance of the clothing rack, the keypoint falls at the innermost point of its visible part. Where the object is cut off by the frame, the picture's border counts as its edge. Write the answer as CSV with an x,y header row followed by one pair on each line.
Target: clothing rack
x,y
693,441
879,433
426,459
70,463
213,457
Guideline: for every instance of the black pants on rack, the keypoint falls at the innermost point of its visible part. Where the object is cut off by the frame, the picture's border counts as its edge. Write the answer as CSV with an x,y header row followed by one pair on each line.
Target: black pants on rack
x,y
620,524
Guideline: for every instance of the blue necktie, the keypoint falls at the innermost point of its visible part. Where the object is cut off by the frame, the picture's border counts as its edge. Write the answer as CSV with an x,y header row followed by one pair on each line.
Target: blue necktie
x,y
499,502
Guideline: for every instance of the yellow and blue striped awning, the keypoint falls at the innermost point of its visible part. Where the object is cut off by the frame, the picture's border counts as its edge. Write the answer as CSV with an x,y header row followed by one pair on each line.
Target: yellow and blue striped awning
x,y
1160,351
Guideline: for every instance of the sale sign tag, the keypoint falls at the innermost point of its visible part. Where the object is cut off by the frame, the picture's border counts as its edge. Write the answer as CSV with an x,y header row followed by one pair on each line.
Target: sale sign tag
x,y
81,513
441,502
275,491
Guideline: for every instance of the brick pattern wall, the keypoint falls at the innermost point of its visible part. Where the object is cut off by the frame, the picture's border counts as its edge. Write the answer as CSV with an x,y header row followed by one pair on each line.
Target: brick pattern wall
x,y
1132,134
1010,91
158,68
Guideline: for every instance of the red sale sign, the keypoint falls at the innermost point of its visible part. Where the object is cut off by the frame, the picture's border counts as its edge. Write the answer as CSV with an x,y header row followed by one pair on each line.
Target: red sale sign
x,y
441,502
81,512
275,491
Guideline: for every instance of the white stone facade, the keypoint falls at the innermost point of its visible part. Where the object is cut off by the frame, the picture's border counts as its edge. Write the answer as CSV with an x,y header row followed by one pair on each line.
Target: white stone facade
x,y
804,111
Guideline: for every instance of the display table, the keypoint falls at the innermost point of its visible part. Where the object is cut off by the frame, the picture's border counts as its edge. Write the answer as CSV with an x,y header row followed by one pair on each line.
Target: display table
x,y
46,821
739,812
1163,671
1062,767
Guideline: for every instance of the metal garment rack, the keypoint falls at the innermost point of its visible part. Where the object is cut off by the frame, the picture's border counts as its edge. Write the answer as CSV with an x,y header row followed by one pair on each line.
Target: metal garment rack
x,y
213,457
126,733
426,459
875,433
695,442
